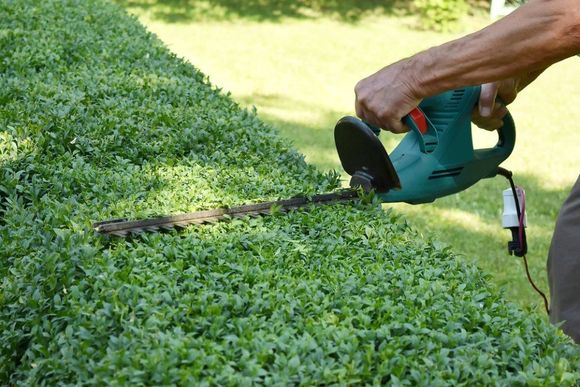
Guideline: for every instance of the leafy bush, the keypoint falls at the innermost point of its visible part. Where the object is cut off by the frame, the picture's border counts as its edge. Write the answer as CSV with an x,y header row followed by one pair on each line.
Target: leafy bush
x,y
440,15
99,120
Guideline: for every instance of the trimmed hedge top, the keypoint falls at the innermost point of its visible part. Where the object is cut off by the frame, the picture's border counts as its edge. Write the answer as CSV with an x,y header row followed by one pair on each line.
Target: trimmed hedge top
x,y
99,120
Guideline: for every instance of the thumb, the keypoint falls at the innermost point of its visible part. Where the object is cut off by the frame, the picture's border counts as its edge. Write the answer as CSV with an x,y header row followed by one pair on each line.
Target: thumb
x,y
487,99
397,127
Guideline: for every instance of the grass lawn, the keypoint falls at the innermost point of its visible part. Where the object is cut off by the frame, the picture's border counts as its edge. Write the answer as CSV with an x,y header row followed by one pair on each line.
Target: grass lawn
x,y
299,73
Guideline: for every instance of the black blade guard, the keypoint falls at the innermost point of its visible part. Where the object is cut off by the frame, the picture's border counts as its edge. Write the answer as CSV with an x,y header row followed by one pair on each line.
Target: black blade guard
x,y
363,156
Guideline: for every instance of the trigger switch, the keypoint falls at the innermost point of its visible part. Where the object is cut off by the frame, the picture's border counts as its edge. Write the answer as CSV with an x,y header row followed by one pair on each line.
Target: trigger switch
x,y
418,117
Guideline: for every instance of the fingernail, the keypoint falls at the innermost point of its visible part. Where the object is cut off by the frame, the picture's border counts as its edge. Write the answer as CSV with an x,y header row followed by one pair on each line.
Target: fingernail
x,y
485,111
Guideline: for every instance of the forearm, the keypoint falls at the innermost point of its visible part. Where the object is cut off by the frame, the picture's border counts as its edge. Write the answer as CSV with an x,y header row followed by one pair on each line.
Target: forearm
x,y
532,38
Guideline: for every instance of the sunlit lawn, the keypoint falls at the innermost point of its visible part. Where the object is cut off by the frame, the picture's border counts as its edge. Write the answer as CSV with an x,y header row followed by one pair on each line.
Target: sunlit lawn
x,y
300,75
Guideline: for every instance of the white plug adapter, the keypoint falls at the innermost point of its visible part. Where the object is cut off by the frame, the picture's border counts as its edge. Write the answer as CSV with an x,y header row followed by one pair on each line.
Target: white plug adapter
x,y
510,215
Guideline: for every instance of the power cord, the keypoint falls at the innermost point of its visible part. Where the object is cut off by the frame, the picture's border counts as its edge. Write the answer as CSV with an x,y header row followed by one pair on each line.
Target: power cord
x,y
519,245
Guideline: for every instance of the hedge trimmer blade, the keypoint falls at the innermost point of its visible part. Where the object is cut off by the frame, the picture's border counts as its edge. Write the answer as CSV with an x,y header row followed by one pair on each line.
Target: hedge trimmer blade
x,y
124,227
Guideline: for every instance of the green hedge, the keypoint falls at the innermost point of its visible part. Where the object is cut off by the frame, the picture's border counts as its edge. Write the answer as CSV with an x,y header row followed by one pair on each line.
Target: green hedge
x,y
99,120
440,15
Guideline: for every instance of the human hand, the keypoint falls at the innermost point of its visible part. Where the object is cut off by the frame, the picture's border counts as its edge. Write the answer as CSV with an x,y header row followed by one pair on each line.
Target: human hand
x,y
385,97
490,112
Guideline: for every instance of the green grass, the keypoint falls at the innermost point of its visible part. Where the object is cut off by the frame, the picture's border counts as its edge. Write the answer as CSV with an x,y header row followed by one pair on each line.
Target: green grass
x,y
300,74
263,10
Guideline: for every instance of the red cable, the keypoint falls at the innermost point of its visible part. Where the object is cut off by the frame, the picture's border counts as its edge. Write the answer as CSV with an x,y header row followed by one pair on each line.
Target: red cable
x,y
522,216
521,232
535,287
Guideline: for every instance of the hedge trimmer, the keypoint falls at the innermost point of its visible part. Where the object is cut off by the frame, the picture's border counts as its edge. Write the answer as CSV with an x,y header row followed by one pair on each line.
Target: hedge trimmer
x,y
436,158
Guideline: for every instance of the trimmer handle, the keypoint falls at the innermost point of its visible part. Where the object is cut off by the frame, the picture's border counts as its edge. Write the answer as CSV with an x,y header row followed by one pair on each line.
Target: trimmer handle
x,y
444,121
507,134
448,109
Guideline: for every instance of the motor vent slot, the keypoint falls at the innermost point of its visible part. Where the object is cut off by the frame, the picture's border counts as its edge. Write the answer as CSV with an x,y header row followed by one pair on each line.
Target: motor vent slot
x,y
455,99
442,173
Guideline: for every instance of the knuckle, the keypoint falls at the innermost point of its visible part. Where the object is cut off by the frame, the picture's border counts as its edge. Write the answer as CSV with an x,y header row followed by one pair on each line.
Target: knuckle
x,y
359,88
382,116
363,99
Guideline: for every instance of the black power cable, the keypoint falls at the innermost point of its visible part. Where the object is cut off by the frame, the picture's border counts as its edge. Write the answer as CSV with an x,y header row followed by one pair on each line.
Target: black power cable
x,y
519,245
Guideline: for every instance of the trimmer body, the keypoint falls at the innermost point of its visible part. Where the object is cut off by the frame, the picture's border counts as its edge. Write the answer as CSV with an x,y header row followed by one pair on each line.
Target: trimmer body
x,y
434,159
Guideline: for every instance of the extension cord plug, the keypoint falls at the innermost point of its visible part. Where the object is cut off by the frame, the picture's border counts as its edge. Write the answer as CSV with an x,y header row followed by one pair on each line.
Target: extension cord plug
x,y
510,214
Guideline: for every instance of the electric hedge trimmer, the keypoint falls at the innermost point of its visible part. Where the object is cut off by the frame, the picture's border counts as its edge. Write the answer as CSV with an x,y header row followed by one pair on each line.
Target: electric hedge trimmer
x,y
436,158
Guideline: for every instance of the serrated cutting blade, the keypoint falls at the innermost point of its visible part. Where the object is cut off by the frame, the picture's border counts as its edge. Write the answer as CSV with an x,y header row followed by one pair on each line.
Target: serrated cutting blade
x,y
124,227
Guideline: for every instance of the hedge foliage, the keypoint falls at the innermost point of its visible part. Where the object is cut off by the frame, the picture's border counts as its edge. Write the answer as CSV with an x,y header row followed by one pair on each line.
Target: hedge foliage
x,y
440,15
99,120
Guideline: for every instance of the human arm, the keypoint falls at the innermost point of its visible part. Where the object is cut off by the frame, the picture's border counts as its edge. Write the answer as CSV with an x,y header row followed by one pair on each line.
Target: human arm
x,y
532,38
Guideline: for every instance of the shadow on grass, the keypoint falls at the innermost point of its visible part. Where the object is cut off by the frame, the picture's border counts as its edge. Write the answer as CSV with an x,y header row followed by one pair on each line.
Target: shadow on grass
x,y
175,11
